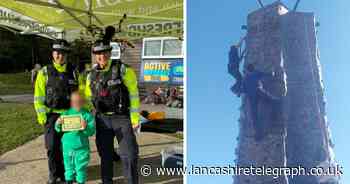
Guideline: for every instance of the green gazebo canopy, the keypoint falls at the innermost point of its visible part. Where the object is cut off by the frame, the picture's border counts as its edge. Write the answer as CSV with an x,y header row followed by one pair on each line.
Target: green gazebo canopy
x,y
50,17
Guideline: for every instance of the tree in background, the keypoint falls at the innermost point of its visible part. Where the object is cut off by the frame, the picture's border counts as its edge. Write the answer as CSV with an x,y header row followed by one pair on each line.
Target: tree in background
x,y
20,52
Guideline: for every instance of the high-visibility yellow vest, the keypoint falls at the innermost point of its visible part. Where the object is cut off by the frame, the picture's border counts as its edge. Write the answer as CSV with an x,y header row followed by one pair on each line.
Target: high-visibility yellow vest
x,y
130,81
40,93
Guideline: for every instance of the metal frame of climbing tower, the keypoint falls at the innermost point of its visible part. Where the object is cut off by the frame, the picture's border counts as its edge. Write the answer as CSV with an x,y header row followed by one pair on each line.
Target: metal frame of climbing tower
x,y
294,8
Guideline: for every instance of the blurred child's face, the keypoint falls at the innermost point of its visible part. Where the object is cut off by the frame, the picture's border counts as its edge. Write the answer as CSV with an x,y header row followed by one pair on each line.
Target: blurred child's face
x,y
77,101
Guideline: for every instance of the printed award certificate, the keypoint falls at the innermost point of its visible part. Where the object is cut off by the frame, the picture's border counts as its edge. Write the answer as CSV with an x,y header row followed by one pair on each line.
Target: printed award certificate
x,y
71,123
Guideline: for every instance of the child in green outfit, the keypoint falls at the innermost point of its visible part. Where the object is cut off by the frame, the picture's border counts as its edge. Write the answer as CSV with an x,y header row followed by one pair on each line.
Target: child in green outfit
x,y
76,149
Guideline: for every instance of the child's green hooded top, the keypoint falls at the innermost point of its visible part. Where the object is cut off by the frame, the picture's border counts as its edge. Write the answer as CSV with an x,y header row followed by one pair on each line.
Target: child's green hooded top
x,y
77,139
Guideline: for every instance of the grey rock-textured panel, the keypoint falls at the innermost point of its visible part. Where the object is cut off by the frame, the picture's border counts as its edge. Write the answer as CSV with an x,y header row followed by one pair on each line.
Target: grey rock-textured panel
x,y
264,48
308,140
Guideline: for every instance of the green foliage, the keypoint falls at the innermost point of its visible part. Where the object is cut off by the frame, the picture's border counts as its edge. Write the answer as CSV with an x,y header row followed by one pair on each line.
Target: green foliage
x,y
17,125
81,51
19,52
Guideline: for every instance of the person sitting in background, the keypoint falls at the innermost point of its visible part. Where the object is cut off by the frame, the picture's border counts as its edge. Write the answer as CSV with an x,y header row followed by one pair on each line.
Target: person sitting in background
x,y
156,97
173,99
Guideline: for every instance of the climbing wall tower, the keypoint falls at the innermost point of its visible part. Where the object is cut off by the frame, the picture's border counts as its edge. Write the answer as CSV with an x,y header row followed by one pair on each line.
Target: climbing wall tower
x,y
264,51
308,143
282,40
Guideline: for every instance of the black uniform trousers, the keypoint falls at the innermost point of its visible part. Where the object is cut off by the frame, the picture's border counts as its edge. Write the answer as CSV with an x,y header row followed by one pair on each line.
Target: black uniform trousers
x,y
54,148
119,126
259,126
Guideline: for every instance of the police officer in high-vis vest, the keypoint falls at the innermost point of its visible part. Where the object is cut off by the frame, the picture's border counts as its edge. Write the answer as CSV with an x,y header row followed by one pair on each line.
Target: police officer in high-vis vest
x,y
53,86
112,88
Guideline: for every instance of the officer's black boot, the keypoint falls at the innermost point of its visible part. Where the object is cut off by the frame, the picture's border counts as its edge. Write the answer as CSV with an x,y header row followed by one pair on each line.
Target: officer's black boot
x,y
52,180
62,179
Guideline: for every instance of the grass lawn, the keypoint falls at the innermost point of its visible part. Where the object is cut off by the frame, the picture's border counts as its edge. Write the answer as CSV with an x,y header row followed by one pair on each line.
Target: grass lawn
x,y
17,125
15,83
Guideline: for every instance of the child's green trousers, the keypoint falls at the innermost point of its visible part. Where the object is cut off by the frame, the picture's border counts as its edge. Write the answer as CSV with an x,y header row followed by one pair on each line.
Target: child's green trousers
x,y
75,164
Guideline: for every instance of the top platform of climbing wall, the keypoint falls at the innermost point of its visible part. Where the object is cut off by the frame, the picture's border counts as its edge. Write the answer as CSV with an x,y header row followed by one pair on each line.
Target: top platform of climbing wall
x,y
272,10
264,40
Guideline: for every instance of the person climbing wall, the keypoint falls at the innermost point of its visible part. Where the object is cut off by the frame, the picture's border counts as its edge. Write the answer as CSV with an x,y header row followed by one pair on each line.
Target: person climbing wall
x,y
253,87
235,57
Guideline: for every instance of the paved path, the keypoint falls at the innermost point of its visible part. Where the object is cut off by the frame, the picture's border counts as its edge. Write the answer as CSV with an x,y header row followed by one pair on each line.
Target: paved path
x,y
25,98
28,165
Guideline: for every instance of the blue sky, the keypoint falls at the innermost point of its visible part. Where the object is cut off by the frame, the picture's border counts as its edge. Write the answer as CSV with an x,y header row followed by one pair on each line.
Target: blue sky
x,y
213,110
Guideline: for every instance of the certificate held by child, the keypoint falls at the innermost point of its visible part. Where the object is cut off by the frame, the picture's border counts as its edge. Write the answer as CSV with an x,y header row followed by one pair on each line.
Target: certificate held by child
x,y
71,123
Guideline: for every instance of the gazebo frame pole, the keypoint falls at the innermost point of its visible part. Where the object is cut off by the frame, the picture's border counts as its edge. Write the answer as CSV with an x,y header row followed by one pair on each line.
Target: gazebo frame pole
x,y
296,5
261,4
71,14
